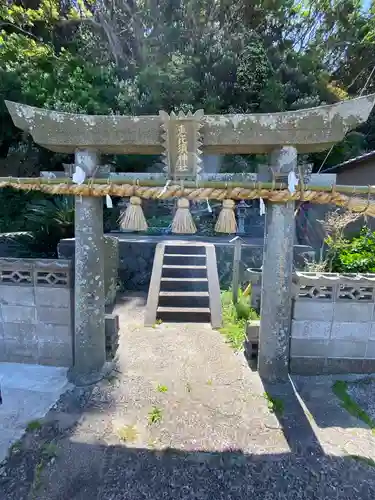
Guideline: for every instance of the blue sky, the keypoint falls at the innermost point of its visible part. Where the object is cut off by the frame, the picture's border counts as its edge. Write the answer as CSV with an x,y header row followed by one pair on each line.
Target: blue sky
x,y
366,4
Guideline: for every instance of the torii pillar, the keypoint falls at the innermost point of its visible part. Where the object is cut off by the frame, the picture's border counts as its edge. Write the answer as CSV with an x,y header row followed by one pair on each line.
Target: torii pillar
x,y
281,134
89,296
277,273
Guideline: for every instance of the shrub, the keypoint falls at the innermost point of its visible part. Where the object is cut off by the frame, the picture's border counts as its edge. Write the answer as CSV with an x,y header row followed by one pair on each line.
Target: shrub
x,y
235,317
354,256
13,207
50,220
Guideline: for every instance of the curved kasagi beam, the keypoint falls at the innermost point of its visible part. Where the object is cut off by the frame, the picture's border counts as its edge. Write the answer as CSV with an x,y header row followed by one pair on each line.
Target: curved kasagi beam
x,y
308,130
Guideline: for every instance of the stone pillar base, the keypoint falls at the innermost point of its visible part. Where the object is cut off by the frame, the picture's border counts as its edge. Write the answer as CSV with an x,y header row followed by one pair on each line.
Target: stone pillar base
x,y
83,379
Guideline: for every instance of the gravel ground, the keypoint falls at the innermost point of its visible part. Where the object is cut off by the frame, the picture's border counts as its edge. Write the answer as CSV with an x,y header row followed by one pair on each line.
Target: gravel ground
x,y
183,417
363,393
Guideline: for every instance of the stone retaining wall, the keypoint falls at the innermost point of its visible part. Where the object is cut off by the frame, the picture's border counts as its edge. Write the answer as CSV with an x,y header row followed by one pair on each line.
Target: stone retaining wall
x,y
36,313
135,257
333,326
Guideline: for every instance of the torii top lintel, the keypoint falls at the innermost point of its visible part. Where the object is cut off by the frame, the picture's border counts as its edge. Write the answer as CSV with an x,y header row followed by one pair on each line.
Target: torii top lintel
x,y
308,130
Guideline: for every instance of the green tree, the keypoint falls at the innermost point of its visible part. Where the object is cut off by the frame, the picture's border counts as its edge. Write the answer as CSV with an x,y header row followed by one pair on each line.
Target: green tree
x,y
138,57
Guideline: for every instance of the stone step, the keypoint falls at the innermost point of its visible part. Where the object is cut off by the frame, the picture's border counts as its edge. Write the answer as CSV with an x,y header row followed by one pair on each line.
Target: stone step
x,y
184,259
184,266
184,299
184,284
184,314
172,271
187,268
184,294
185,249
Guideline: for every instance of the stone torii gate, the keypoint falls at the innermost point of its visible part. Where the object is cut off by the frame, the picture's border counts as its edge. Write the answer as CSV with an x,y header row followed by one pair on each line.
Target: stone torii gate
x,y
281,135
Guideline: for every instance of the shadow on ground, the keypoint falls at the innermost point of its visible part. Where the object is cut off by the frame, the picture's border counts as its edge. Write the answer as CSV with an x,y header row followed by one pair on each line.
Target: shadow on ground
x,y
316,394
56,463
323,405
292,418
75,456
97,471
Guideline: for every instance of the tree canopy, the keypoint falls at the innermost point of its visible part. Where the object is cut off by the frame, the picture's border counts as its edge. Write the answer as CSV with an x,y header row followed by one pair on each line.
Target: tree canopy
x,y
139,56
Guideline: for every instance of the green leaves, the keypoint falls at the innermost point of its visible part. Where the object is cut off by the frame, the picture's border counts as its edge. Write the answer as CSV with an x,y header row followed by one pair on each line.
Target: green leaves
x,y
51,214
355,256
134,58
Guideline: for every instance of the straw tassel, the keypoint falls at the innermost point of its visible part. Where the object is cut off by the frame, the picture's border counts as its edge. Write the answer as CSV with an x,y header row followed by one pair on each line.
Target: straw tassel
x,y
226,223
183,221
133,218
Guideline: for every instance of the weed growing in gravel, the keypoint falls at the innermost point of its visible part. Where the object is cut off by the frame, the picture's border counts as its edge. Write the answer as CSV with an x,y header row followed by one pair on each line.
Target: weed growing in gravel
x,y
340,389
152,443
128,433
37,477
34,425
368,461
235,317
162,388
155,415
49,451
209,381
275,405
309,416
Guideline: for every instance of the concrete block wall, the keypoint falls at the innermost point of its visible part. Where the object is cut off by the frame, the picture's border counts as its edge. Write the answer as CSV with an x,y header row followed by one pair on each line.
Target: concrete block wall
x,y
333,326
36,313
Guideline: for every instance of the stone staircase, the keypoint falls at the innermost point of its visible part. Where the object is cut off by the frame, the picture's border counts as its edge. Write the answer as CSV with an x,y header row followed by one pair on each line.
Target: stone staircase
x,y
184,284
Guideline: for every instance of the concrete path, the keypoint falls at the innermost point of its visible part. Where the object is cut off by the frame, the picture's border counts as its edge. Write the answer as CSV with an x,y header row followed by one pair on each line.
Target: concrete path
x,y
184,417
28,393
